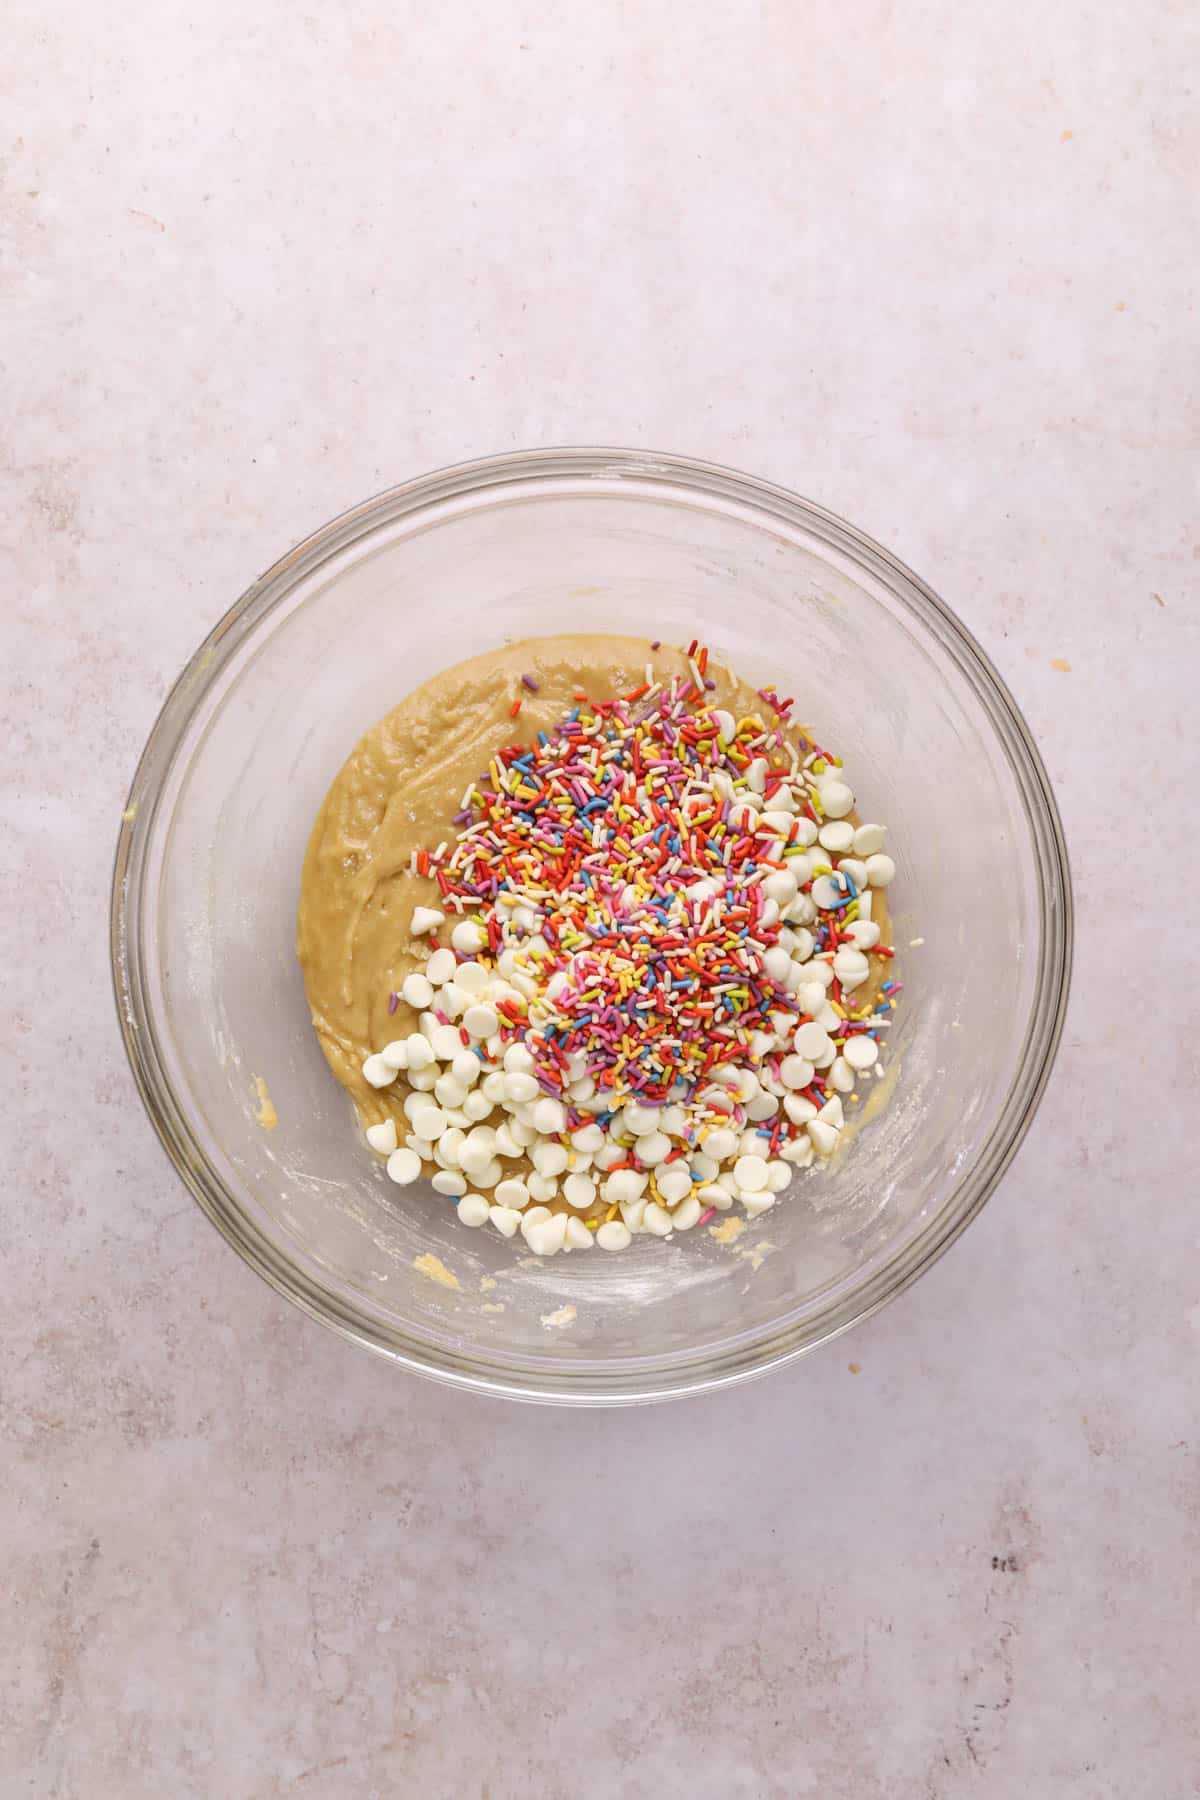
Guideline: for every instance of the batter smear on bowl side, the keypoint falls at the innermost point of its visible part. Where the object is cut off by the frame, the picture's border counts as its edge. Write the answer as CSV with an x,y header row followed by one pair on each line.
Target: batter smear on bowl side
x,y
594,937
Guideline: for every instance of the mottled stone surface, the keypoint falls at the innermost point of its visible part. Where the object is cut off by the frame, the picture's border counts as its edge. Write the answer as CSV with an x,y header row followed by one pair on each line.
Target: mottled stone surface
x,y
934,267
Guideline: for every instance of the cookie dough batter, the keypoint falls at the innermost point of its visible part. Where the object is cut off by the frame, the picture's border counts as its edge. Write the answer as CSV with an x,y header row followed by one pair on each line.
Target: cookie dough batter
x,y
397,795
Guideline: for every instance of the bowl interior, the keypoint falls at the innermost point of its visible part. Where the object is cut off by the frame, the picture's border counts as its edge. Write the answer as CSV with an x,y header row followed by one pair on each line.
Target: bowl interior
x,y
227,795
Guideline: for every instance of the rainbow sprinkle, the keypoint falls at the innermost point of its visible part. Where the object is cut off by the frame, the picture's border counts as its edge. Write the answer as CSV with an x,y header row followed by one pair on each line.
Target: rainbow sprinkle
x,y
622,886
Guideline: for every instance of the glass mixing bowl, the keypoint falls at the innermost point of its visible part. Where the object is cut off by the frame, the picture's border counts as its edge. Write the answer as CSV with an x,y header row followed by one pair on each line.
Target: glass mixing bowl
x,y
208,864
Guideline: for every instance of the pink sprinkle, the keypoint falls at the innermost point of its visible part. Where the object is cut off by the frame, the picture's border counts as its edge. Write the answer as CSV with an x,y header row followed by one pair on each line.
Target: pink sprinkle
x,y
705,1217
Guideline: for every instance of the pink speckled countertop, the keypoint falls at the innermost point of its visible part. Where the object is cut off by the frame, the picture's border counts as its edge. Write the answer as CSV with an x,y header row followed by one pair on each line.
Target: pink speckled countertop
x,y
934,267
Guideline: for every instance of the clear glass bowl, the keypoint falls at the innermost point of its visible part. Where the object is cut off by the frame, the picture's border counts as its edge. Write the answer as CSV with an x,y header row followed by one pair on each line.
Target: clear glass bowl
x,y
208,864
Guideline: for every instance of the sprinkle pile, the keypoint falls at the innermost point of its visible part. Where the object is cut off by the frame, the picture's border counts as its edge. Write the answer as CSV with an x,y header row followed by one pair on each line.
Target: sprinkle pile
x,y
660,916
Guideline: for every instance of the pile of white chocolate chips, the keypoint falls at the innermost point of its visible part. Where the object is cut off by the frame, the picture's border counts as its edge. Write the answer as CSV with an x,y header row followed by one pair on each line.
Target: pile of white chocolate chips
x,y
639,1002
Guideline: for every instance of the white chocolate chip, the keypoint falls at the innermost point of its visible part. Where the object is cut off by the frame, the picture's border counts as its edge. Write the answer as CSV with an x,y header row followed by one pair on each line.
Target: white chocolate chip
x,y
633,1212
851,967
440,967
828,892
614,1236
480,1020
750,1173
473,1210
579,1191
841,1075
379,1073
467,937
861,1052
837,837
674,1183
382,1137
404,1166
812,1042
836,799
758,1201
449,1091
549,1115
823,1136
795,1072
417,991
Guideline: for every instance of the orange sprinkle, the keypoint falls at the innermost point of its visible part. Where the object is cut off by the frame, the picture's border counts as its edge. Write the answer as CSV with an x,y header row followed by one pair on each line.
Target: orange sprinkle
x,y
514,709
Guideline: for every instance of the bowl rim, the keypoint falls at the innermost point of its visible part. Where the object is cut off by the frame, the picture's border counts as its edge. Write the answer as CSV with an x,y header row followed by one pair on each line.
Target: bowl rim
x,y
678,1376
